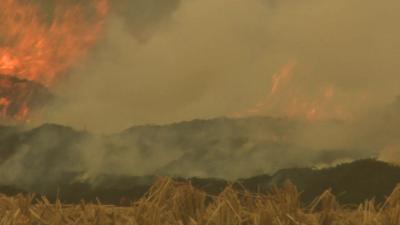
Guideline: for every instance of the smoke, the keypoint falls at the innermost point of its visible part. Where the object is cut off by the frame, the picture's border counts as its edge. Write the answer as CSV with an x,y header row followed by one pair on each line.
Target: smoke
x,y
142,18
172,61
185,71
167,61
51,155
41,157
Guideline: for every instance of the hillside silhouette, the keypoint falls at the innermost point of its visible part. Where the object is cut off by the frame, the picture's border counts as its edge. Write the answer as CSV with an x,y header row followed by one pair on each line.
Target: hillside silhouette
x,y
351,182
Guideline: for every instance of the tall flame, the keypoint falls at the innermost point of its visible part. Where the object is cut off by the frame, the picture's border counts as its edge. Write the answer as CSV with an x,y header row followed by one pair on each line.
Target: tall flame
x,y
35,49
40,47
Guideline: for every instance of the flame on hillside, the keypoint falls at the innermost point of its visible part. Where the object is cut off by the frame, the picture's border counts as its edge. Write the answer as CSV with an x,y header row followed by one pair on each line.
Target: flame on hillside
x,y
287,98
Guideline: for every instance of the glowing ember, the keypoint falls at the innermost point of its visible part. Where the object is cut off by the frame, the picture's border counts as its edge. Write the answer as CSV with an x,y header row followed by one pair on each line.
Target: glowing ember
x,y
39,48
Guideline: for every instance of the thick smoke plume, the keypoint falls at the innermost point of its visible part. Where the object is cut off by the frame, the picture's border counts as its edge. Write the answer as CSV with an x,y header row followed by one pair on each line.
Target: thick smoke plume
x,y
174,61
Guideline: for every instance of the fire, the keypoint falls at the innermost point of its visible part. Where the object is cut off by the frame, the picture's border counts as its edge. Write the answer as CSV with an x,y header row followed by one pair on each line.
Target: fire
x,y
33,49
291,100
322,105
281,77
18,97
41,47
4,103
278,81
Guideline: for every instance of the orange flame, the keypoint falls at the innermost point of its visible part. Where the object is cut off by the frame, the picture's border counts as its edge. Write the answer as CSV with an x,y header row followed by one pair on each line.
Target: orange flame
x,y
39,47
290,100
4,103
34,49
278,80
281,77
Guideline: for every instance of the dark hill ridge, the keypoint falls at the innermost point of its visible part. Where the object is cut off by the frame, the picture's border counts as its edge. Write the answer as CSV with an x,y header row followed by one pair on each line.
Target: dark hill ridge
x,y
351,182
85,165
223,148
356,181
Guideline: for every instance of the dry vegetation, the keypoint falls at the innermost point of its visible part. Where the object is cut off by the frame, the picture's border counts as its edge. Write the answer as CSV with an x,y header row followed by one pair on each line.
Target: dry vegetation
x,y
173,203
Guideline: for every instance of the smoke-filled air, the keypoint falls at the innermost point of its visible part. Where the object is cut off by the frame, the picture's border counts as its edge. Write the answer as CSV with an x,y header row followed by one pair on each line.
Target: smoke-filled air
x,y
99,92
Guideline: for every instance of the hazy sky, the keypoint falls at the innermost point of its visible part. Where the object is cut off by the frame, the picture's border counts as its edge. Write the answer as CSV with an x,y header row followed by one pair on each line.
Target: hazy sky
x,y
164,61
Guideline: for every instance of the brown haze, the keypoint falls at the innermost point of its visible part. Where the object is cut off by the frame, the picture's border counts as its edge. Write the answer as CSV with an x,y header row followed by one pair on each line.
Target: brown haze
x,y
202,59
313,60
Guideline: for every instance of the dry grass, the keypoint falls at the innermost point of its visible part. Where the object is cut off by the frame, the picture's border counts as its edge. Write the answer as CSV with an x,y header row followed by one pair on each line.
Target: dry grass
x,y
175,203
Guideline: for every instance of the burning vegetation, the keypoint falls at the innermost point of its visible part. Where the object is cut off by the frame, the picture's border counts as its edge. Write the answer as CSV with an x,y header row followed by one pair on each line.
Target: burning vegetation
x,y
286,97
38,46
18,97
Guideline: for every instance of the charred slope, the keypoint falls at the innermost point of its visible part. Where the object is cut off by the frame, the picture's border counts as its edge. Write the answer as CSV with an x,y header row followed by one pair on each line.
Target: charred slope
x,y
352,183
40,159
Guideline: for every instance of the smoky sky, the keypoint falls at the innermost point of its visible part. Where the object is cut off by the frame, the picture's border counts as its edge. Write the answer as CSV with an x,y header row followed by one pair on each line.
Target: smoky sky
x,y
140,17
160,62
166,61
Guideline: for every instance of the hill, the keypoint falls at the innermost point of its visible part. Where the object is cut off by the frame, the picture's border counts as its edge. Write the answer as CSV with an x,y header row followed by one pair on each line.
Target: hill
x,y
51,157
222,148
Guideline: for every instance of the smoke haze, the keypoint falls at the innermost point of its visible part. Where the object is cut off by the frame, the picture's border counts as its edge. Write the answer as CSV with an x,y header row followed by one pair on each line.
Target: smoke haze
x,y
328,69
202,59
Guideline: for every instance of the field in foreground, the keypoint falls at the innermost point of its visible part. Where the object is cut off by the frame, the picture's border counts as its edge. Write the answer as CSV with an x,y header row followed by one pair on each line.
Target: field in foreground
x,y
178,203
